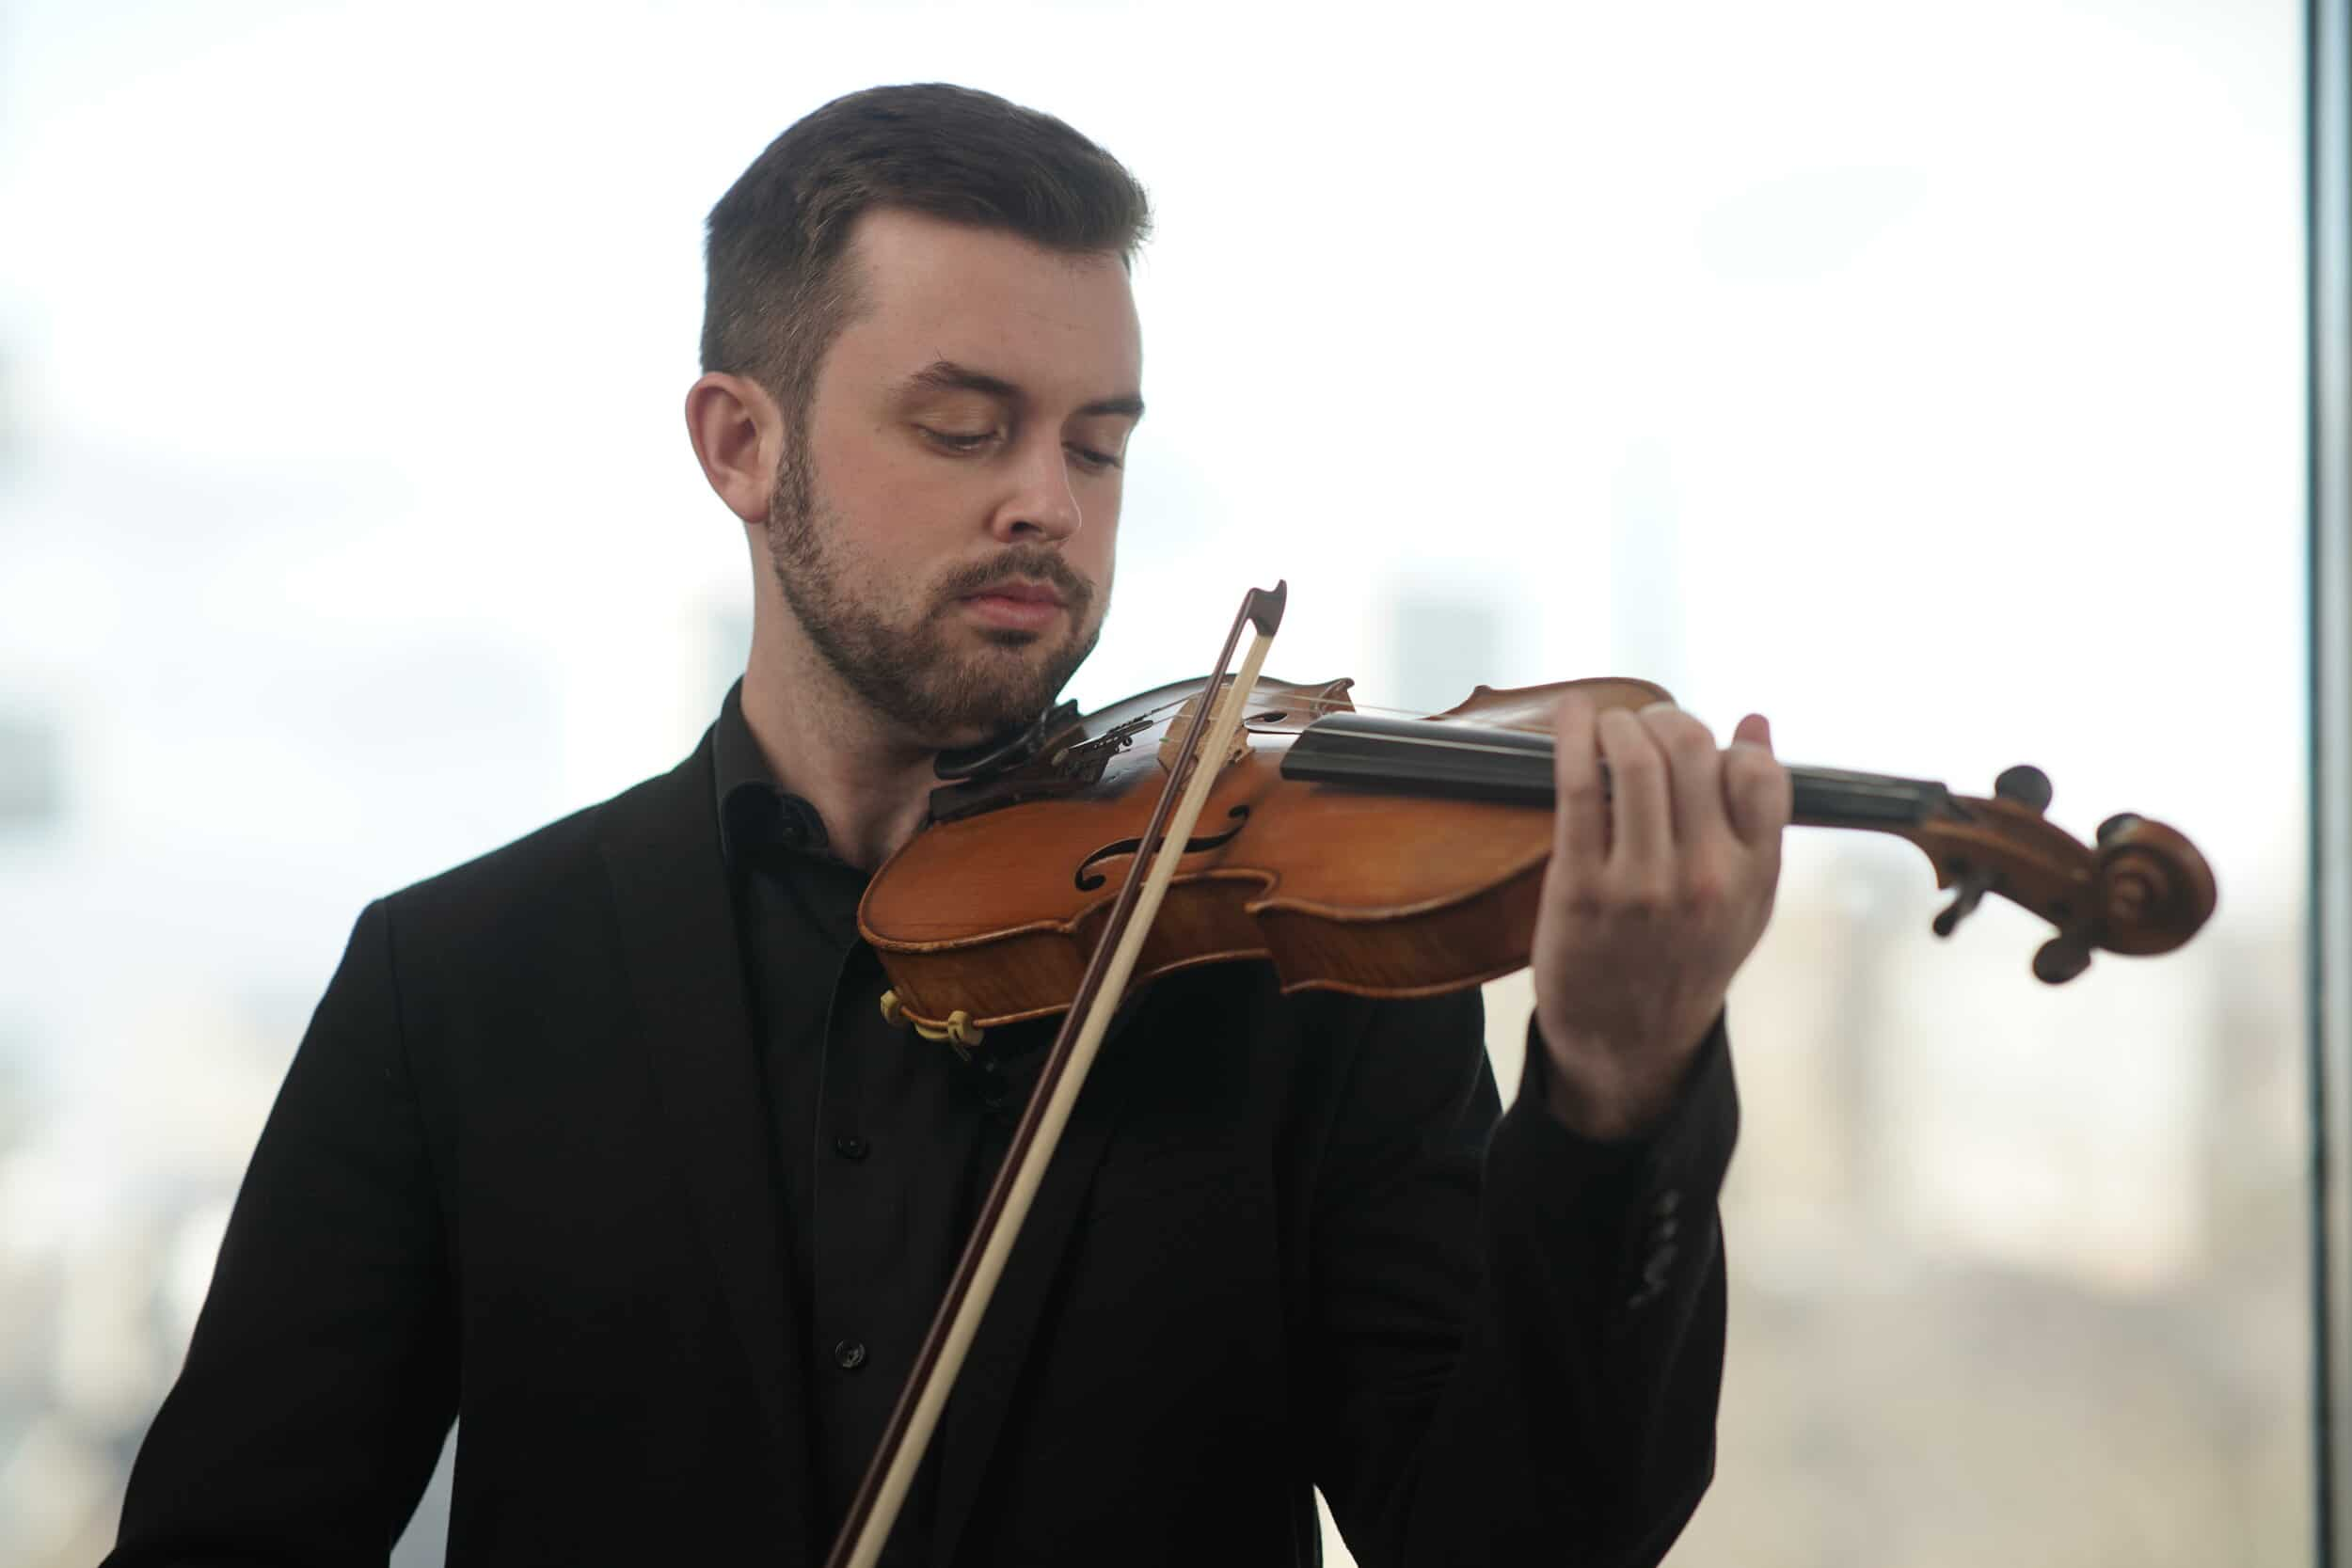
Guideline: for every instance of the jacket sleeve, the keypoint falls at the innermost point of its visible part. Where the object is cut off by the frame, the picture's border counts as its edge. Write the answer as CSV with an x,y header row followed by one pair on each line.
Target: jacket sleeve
x,y
322,1374
1519,1337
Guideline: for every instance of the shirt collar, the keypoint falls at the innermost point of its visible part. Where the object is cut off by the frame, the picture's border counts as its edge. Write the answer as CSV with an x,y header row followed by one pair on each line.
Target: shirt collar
x,y
754,812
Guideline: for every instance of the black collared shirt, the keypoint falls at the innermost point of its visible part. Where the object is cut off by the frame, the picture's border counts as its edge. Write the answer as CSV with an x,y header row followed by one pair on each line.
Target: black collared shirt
x,y
882,1140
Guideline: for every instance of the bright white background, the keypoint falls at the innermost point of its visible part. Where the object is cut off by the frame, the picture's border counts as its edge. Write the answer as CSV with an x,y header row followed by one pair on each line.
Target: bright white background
x,y
1927,377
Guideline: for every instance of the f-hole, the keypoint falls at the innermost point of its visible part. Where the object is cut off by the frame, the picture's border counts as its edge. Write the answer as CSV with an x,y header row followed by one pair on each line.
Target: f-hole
x,y
1088,880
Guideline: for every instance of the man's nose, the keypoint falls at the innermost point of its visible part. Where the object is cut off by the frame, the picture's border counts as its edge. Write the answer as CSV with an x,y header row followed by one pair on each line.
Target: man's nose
x,y
1043,505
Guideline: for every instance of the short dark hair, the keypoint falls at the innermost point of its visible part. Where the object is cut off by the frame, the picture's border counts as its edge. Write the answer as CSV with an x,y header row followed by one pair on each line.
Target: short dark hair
x,y
777,291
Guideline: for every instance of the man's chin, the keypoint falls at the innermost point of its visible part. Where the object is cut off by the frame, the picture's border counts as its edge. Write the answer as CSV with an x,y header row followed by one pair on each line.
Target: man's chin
x,y
986,709
970,683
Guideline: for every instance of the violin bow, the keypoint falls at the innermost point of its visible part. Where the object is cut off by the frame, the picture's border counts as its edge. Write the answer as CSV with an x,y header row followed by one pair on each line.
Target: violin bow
x,y
915,1416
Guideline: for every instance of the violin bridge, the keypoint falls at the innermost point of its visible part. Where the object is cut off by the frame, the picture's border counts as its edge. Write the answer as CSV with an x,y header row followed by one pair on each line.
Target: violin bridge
x,y
1172,738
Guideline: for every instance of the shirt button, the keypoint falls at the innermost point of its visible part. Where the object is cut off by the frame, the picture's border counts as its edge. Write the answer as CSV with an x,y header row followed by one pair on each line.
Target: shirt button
x,y
849,1147
849,1354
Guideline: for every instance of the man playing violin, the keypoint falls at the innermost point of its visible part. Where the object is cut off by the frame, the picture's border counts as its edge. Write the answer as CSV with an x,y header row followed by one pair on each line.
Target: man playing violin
x,y
602,1146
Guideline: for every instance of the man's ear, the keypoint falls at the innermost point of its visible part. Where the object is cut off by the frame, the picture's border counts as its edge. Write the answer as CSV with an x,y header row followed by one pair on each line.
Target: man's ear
x,y
737,433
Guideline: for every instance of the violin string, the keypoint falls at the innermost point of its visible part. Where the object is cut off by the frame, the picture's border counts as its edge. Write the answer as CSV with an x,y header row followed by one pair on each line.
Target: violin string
x,y
1343,703
1320,705
1340,703
1870,785
1435,742
1849,785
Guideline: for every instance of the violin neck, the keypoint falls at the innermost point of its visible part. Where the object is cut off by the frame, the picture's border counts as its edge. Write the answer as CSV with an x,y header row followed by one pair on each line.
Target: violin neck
x,y
1426,757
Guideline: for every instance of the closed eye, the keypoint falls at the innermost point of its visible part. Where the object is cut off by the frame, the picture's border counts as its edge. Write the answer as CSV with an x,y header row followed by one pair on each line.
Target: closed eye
x,y
1092,460
956,440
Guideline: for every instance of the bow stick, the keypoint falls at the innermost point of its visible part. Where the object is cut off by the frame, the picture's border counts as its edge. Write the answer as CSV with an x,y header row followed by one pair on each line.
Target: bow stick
x,y
875,1508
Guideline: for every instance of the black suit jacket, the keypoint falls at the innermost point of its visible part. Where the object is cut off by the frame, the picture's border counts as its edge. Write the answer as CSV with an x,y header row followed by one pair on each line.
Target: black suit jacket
x,y
519,1172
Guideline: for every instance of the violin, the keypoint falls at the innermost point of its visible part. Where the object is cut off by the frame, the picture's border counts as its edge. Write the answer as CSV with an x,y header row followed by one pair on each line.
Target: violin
x,y
1395,856
1231,819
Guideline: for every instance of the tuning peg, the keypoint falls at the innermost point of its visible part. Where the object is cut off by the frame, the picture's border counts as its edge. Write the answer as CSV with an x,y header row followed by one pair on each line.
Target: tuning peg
x,y
2116,826
2024,784
1968,890
2062,958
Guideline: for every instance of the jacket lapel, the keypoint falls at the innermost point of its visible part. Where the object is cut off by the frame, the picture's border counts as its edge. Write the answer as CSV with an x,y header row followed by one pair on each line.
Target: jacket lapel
x,y
661,844
983,1394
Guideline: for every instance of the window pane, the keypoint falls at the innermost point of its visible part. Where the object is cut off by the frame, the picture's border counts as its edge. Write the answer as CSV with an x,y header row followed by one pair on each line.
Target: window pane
x,y
1928,379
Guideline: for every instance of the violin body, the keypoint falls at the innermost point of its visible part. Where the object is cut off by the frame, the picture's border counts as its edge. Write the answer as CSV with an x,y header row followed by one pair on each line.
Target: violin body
x,y
1406,861
1330,883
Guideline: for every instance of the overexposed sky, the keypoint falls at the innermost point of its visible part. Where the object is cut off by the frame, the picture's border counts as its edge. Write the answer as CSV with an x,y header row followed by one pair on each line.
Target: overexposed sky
x,y
1968,340
1929,382
1928,379
1926,376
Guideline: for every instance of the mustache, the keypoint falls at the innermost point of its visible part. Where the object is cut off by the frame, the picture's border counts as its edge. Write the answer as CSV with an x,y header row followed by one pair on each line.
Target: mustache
x,y
1033,563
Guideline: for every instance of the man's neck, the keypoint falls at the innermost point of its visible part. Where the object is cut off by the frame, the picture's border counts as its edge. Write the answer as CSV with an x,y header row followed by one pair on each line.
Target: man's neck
x,y
870,784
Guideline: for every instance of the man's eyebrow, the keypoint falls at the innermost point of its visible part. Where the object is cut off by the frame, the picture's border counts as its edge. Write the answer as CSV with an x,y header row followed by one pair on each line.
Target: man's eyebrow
x,y
945,376
1130,405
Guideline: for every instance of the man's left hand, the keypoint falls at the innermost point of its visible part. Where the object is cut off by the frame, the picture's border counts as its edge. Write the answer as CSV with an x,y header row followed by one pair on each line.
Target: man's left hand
x,y
1660,884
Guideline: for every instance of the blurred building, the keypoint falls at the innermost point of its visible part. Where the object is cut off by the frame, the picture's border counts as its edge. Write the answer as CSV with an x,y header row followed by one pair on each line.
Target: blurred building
x,y
286,622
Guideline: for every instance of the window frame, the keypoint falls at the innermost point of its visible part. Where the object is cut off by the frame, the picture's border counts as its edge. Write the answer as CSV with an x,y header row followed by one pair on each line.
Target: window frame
x,y
2328,149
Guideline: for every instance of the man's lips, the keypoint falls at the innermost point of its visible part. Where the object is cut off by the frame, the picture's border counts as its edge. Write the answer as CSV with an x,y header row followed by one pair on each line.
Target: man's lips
x,y
1017,605
1026,592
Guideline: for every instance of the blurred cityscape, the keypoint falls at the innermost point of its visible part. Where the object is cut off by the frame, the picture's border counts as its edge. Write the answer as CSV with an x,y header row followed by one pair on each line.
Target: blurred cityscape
x,y
2011,1265
1952,439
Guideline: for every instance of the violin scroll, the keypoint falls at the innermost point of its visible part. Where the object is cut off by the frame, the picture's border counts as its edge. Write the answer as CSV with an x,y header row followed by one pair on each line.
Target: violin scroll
x,y
2141,889
2156,889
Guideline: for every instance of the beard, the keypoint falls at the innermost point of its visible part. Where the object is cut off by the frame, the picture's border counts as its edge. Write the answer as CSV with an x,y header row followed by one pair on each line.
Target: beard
x,y
919,668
